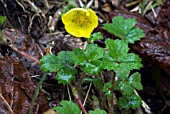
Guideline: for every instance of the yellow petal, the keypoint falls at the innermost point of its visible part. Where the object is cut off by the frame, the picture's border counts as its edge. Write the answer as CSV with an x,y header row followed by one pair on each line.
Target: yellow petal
x,y
93,17
67,18
85,32
72,29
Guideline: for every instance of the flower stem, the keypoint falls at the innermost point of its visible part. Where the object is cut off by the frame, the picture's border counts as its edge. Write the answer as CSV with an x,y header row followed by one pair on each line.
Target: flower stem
x,y
75,93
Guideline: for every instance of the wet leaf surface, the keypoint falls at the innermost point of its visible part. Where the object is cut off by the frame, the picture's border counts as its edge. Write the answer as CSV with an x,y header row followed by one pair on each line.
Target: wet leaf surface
x,y
17,88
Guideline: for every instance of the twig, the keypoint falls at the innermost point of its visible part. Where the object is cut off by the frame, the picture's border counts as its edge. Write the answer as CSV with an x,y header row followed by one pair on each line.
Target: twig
x,y
80,81
75,93
111,107
22,7
87,94
68,92
89,3
25,54
10,109
81,3
144,105
30,25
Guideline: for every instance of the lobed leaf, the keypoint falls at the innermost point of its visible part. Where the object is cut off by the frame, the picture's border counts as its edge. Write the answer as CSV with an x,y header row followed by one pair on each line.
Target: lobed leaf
x,y
94,52
124,29
132,101
116,48
93,67
96,36
49,63
78,56
66,74
68,107
97,111
135,81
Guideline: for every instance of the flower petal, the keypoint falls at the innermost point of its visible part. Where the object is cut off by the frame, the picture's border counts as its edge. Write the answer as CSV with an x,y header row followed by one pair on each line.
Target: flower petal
x,y
93,17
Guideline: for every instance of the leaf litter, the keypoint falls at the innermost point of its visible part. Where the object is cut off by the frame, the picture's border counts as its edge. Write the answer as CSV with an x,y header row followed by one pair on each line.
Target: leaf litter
x,y
17,86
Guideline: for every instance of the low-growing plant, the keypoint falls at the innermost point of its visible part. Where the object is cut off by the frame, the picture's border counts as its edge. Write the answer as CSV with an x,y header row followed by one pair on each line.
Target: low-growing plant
x,y
94,62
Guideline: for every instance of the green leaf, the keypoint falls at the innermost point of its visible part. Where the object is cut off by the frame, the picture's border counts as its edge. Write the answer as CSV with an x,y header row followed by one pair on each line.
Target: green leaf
x,y
125,87
66,74
109,94
64,58
134,35
116,48
106,89
107,86
124,29
109,62
68,107
2,19
118,59
78,56
50,63
93,67
121,71
135,81
94,52
132,101
95,36
97,111
131,61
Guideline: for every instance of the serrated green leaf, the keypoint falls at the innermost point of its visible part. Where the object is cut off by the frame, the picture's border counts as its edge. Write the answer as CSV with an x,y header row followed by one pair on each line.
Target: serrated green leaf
x,y
131,61
66,74
135,81
50,63
118,59
121,71
109,62
134,35
132,101
125,87
93,67
94,52
64,58
116,48
124,29
68,107
78,56
2,19
96,36
97,111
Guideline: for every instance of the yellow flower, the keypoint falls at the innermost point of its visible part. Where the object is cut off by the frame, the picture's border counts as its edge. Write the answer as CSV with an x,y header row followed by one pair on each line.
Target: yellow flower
x,y
80,22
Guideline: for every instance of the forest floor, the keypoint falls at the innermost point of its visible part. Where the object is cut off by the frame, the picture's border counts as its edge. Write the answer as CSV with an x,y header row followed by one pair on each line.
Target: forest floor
x,y
33,29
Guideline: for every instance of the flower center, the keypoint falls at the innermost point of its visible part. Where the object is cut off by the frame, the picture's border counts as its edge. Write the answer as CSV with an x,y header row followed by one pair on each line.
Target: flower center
x,y
81,19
